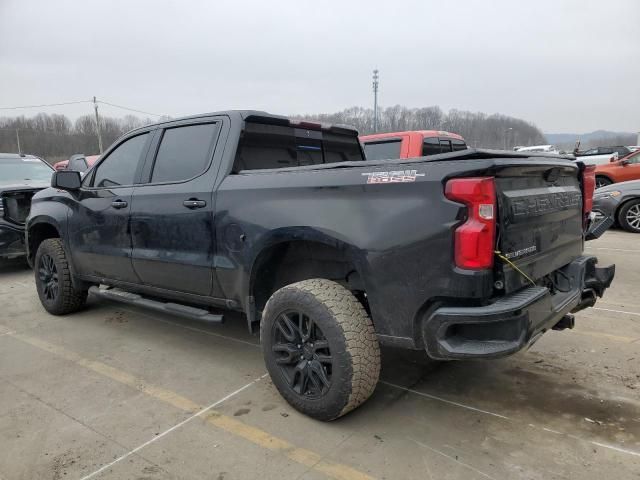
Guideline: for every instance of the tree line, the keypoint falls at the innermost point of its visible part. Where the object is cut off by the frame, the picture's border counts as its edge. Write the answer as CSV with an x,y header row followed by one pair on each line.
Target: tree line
x,y
478,129
55,137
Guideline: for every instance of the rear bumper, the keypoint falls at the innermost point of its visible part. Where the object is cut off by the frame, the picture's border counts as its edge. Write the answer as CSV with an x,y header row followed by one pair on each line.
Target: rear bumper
x,y
515,321
11,241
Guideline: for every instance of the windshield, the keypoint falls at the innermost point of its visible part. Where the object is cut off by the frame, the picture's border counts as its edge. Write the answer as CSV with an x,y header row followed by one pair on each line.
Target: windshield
x,y
21,170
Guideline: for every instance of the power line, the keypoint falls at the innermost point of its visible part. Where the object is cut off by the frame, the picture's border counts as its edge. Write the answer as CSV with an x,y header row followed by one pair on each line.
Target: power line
x,y
132,109
45,105
83,101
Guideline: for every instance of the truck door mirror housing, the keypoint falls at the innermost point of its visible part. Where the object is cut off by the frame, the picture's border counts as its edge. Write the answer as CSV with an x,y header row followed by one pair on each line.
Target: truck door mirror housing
x,y
624,163
66,180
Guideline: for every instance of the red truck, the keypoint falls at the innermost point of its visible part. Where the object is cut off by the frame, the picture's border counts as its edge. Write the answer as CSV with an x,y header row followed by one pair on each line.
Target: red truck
x,y
410,144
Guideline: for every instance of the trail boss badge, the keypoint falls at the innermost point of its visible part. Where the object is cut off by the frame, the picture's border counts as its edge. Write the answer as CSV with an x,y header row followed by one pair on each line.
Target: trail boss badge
x,y
398,176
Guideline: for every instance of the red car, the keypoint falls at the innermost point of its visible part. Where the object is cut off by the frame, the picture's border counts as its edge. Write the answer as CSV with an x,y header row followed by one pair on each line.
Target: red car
x,y
619,170
79,163
410,144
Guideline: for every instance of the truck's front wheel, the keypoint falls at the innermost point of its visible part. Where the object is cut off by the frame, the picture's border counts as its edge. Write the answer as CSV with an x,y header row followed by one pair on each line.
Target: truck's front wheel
x,y
320,348
53,279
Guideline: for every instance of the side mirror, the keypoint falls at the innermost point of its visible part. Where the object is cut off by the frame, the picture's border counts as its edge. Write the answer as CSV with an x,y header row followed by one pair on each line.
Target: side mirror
x,y
66,180
624,163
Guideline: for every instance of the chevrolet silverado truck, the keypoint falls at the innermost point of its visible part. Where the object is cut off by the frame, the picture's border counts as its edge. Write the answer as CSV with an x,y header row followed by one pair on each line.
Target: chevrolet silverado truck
x,y
464,255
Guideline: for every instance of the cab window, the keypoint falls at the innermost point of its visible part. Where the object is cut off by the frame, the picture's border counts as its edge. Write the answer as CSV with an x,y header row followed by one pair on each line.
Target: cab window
x,y
383,150
458,145
184,152
120,166
430,146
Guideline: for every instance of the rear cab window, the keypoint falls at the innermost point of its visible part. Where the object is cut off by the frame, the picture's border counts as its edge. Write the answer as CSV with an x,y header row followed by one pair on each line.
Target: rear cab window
x,y
383,149
265,146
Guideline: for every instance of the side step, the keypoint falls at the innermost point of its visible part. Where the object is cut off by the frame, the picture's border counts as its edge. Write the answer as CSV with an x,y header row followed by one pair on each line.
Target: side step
x,y
171,308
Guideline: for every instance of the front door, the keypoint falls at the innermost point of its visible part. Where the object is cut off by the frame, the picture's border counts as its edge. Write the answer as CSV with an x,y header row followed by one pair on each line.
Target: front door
x,y
99,238
172,213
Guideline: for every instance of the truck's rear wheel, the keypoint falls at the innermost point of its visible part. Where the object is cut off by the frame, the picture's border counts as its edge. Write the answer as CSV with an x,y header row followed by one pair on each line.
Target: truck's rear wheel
x,y
53,279
320,348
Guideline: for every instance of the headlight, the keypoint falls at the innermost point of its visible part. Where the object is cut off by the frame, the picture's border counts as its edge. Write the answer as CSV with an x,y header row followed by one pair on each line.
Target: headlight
x,y
612,194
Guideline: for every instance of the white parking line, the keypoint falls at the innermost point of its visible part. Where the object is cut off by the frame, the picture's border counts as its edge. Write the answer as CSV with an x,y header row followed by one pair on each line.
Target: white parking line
x,y
175,427
444,400
616,311
503,417
453,459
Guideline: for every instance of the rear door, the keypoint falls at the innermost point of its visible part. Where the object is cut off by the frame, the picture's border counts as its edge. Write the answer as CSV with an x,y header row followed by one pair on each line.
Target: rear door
x,y
540,212
172,213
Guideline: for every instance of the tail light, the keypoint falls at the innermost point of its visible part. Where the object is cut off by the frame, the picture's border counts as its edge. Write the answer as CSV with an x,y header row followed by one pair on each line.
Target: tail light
x,y
588,187
474,242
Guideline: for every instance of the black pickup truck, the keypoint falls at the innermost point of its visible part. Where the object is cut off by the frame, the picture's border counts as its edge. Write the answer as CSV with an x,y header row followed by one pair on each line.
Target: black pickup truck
x,y
470,254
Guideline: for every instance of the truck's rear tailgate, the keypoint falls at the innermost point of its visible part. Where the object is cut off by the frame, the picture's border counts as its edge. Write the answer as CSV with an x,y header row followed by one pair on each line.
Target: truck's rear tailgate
x,y
540,220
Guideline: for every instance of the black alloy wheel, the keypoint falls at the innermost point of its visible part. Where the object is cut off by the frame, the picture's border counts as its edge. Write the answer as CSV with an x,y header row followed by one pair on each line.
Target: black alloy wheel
x,y
48,275
302,354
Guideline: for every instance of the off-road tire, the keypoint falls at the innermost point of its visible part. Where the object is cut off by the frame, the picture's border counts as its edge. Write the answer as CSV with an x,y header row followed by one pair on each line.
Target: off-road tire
x,y
68,299
624,213
352,342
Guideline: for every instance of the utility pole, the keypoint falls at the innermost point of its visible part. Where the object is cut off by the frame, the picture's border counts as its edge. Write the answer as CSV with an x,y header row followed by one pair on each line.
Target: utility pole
x,y
375,100
506,134
18,140
95,106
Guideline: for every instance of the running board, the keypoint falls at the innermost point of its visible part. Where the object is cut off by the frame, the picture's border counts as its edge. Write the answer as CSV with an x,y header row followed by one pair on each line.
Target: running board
x,y
170,308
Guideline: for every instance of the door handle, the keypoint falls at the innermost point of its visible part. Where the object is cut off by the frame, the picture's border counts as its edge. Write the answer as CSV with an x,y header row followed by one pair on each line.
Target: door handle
x,y
119,204
194,203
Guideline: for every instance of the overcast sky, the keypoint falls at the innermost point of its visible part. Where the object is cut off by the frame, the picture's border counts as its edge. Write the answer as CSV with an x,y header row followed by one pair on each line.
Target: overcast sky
x,y
567,66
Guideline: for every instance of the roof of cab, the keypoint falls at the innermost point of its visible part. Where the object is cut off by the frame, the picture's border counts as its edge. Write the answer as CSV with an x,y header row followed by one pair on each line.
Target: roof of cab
x,y
259,116
13,156
423,133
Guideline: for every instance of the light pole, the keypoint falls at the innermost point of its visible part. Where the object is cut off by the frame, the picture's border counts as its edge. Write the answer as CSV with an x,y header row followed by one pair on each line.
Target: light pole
x,y
375,100
506,132
95,106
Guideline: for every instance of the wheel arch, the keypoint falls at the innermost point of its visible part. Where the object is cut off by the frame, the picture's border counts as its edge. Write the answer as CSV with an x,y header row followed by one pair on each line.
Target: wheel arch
x,y
625,202
301,257
605,176
39,229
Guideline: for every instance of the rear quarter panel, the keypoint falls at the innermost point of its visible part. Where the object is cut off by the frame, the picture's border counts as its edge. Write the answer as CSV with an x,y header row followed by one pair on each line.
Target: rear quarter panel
x,y
398,235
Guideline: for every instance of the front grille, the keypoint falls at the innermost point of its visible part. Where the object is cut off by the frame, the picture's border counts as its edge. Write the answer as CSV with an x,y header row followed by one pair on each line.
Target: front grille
x,y
16,206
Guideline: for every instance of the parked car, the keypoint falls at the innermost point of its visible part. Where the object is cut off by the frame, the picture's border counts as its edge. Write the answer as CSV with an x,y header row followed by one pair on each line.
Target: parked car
x,y
410,144
21,176
327,255
538,148
79,163
621,202
601,155
620,170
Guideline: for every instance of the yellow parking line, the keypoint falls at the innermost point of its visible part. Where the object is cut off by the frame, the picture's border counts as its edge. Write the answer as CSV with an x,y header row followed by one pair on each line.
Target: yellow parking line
x,y
235,427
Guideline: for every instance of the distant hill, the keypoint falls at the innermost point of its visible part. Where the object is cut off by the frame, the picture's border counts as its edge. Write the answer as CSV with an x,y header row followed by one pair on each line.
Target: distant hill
x,y
592,139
